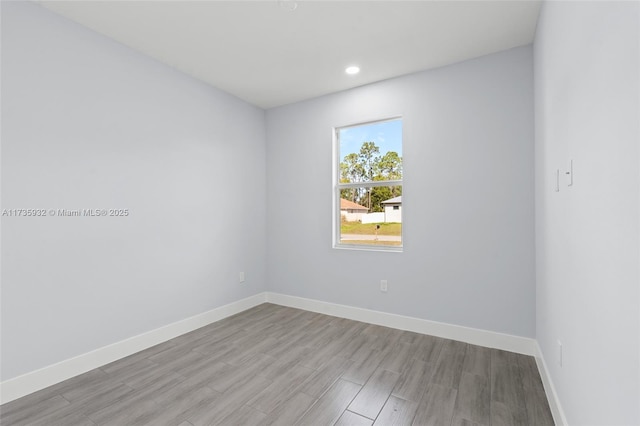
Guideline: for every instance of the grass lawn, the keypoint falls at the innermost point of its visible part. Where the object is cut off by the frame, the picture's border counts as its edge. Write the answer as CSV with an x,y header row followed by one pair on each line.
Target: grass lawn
x,y
370,228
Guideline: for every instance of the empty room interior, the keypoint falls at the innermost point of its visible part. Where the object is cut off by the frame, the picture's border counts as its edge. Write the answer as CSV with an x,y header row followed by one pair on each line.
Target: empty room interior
x,y
205,222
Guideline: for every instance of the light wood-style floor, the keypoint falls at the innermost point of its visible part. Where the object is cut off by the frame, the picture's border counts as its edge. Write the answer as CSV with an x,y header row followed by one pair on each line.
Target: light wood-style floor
x,y
273,365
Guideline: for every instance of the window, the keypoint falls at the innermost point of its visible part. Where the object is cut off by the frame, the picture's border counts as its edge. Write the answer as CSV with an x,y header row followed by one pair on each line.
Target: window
x,y
368,185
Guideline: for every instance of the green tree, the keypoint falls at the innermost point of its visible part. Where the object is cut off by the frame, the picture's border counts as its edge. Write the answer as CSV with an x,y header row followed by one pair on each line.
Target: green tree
x,y
369,159
351,170
390,166
368,165
378,195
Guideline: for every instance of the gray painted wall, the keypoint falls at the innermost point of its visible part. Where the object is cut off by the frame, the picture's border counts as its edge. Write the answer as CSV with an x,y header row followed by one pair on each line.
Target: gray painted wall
x,y
468,197
88,123
587,236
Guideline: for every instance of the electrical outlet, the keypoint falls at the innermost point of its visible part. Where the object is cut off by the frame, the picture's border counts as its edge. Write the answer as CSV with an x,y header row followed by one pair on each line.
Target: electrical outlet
x,y
383,286
560,353
241,277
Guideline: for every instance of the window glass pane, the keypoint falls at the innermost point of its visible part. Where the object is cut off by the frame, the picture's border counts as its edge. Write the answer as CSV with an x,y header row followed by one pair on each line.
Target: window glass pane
x,y
380,225
369,184
371,152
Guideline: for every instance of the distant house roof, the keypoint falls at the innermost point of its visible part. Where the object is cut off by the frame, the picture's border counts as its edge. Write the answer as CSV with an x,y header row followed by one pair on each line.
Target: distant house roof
x,y
350,205
395,200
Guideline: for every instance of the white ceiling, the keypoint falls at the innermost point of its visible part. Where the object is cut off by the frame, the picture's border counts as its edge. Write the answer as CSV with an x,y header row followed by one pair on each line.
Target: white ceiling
x,y
269,55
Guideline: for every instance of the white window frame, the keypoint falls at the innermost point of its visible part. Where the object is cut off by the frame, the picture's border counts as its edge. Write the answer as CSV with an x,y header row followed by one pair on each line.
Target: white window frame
x,y
337,186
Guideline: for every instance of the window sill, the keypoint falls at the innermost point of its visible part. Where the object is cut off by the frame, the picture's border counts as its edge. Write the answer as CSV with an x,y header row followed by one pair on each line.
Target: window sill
x,y
363,247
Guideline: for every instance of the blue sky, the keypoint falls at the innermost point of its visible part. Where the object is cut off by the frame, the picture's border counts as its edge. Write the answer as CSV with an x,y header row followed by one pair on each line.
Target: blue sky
x,y
387,136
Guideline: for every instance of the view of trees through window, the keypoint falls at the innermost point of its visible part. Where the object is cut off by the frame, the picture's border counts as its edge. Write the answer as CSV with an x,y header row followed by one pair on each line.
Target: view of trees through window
x,y
369,165
370,183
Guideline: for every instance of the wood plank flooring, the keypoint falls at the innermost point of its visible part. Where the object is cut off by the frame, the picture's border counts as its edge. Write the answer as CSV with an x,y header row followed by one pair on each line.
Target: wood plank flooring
x,y
273,365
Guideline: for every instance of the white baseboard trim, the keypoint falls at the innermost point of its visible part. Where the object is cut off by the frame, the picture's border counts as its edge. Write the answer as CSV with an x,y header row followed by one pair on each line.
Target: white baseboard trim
x,y
550,390
50,375
491,339
31,382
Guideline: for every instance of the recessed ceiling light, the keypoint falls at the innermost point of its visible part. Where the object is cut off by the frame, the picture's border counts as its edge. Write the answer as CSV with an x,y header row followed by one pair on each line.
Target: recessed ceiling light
x,y
352,70
289,5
